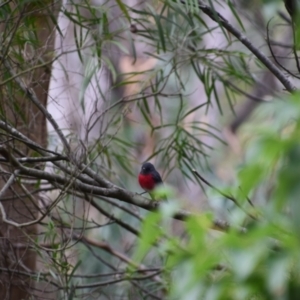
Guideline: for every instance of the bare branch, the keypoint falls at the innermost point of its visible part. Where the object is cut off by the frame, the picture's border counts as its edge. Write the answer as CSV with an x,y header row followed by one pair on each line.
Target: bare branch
x,y
32,96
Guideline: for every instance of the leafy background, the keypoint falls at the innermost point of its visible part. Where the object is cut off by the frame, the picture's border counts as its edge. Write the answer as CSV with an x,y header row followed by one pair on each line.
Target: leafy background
x,y
205,90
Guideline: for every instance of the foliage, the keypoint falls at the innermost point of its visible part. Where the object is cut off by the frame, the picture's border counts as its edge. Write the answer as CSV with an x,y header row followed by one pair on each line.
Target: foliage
x,y
154,81
255,259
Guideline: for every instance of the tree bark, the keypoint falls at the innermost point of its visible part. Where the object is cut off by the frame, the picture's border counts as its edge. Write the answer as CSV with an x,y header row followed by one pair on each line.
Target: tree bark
x,y
27,46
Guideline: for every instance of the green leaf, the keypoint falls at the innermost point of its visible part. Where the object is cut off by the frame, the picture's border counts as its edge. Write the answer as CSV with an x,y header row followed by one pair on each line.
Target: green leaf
x,y
124,10
249,177
150,233
233,10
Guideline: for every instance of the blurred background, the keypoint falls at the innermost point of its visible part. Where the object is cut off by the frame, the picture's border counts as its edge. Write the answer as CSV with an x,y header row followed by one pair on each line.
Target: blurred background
x,y
132,81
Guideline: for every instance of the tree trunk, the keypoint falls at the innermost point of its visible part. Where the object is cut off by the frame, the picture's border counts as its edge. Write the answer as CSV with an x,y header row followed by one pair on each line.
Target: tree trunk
x,y
26,47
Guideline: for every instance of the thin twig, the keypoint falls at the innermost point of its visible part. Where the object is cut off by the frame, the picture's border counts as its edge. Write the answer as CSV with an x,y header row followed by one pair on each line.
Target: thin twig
x,y
275,57
217,17
112,217
225,195
32,96
9,183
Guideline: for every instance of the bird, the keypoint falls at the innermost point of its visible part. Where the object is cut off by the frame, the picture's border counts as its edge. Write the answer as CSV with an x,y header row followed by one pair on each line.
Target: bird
x,y
149,178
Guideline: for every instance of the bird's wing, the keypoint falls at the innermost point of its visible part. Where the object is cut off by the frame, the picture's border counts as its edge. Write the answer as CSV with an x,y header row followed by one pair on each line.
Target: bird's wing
x,y
157,178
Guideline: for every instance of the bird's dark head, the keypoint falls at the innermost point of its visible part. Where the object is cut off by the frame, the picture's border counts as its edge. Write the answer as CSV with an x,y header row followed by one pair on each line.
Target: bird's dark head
x,y
147,168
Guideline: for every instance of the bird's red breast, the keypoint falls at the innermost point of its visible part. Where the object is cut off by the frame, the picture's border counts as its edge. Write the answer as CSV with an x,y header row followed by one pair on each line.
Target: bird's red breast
x,y
147,182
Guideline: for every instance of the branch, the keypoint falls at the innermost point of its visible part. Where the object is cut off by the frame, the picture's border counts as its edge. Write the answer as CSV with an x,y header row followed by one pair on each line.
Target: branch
x,y
225,195
112,281
32,96
217,17
112,217
107,248
113,192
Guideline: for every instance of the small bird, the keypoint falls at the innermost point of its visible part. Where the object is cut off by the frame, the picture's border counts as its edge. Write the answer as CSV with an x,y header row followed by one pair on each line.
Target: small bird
x,y
149,178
